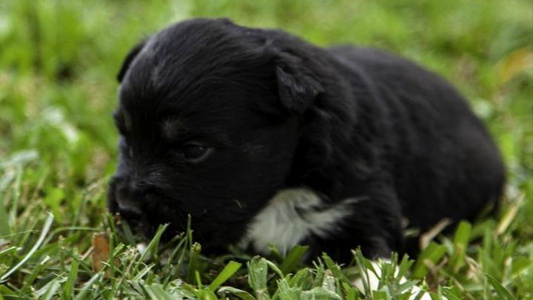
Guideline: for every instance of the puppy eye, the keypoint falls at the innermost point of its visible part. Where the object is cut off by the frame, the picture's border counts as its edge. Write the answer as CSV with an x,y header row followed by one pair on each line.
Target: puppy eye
x,y
196,152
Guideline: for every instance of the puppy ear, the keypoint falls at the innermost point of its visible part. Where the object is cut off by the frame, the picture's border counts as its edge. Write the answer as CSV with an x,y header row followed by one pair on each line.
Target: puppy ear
x,y
129,59
298,86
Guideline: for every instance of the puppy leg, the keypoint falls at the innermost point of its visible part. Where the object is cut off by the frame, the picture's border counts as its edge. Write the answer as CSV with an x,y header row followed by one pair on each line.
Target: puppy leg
x,y
373,224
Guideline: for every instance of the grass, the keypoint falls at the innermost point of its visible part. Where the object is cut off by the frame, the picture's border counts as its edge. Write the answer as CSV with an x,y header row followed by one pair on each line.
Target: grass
x,y
58,60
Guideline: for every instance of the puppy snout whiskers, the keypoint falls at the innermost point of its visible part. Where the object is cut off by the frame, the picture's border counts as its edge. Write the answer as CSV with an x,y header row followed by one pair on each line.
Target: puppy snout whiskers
x,y
129,205
129,210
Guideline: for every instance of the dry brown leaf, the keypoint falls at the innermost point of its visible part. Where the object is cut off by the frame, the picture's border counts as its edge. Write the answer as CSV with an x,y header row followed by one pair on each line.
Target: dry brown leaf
x,y
100,251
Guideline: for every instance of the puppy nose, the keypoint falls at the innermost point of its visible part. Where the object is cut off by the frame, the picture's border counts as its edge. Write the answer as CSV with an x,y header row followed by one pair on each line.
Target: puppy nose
x,y
129,205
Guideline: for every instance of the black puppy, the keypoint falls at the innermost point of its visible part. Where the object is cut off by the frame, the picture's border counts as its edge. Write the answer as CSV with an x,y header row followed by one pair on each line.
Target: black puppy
x,y
265,139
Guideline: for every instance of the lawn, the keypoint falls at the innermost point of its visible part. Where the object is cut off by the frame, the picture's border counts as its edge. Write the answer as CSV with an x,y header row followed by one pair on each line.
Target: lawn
x,y
58,61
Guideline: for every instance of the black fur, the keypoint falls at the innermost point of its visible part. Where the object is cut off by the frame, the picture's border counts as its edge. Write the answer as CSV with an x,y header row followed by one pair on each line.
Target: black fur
x,y
277,113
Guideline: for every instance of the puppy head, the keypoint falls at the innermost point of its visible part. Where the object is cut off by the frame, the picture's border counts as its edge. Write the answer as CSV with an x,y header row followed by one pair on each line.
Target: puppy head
x,y
209,118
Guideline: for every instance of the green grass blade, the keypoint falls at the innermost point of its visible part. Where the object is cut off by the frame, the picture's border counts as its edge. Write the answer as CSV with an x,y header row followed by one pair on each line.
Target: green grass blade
x,y
404,266
293,259
156,292
350,291
88,287
231,268
4,221
429,257
460,245
68,287
236,292
258,277
4,290
502,292
195,262
153,246
334,268
44,232
274,268
48,291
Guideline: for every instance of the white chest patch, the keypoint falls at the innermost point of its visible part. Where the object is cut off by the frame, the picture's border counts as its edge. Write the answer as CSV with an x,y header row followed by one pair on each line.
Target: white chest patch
x,y
290,217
